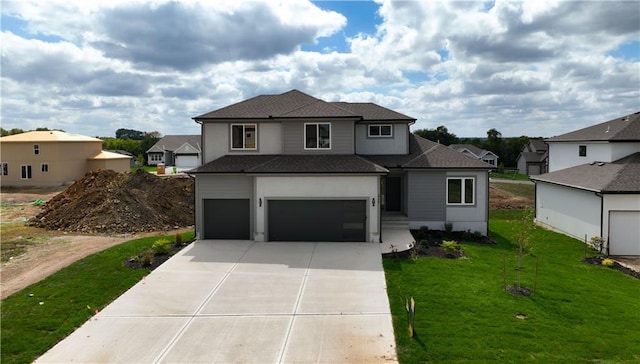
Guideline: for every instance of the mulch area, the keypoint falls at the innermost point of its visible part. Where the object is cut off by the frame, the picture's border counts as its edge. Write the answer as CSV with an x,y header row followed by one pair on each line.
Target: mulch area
x,y
150,260
429,244
616,266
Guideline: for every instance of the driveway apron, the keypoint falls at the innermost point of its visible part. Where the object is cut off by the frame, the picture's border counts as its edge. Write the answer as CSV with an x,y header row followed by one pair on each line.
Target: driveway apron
x,y
245,302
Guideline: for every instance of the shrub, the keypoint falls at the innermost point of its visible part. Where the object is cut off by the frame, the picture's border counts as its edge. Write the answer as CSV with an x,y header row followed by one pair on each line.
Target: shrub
x,y
607,262
146,259
424,242
178,239
450,246
161,246
448,227
597,242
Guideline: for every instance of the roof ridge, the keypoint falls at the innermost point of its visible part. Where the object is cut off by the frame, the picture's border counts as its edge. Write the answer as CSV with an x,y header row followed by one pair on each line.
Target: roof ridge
x,y
370,162
424,153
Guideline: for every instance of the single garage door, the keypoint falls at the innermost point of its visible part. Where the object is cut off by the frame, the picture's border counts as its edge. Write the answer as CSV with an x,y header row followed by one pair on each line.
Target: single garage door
x,y
624,232
226,219
317,220
186,161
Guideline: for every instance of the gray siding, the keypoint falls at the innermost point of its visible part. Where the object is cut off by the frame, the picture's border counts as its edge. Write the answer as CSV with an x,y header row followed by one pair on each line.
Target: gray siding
x,y
213,186
426,200
398,144
341,137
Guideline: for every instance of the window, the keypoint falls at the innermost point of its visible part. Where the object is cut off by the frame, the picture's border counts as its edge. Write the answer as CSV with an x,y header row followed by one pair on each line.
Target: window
x,y
36,149
243,136
380,131
155,157
582,151
4,169
44,168
460,190
25,172
317,136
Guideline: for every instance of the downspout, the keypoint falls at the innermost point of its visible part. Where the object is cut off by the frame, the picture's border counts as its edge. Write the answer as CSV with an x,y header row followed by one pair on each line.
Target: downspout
x,y
602,219
195,225
487,204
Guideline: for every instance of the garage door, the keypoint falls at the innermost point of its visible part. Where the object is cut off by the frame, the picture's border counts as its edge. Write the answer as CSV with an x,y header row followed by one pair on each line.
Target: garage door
x,y
187,161
226,219
624,232
317,220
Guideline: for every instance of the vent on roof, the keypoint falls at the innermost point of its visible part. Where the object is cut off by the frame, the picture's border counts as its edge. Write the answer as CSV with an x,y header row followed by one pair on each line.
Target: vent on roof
x,y
592,163
600,164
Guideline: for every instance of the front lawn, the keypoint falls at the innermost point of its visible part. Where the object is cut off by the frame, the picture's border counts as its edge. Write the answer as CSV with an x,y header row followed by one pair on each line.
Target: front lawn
x,y
36,318
578,313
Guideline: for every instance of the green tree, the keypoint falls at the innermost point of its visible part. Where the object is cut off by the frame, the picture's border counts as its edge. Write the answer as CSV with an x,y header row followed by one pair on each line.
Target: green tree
x,y
129,134
440,135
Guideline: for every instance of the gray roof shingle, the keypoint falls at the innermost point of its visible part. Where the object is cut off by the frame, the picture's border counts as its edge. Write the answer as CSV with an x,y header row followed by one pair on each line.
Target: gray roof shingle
x,y
621,176
173,142
372,112
626,128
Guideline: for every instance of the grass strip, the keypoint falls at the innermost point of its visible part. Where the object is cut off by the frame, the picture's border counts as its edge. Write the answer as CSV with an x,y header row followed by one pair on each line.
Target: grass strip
x,y
36,318
579,312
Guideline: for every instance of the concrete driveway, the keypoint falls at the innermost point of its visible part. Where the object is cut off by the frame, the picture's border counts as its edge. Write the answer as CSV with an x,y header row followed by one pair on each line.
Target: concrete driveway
x,y
246,302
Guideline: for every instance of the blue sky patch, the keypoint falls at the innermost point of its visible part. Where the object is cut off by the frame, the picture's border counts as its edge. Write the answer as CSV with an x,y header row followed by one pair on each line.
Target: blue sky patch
x,y
629,51
19,27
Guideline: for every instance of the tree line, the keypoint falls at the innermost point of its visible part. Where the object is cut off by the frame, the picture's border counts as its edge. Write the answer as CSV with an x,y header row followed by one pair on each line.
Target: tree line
x,y
507,149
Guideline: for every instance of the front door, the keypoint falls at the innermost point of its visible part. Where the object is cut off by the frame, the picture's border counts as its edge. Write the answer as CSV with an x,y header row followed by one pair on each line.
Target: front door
x,y
393,195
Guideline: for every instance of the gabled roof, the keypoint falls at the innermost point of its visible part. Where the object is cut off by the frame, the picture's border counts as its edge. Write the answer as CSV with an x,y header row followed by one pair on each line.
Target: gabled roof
x,y
47,136
427,154
109,155
620,176
537,145
479,152
533,157
297,104
286,163
622,129
173,142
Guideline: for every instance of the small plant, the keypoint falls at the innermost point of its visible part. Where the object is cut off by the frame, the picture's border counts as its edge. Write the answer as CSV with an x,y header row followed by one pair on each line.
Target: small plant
x,y
424,242
607,262
146,259
413,251
450,246
448,227
178,239
597,243
161,246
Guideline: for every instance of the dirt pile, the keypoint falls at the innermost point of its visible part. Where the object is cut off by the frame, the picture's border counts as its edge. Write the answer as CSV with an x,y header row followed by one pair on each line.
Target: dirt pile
x,y
502,200
108,202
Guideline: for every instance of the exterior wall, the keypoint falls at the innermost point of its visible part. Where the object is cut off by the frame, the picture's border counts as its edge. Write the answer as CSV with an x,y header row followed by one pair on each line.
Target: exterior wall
x,y
216,138
217,186
522,165
342,137
117,165
568,210
317,187
398,144
617,203
565,154
491,159
473,217
621,150
68,161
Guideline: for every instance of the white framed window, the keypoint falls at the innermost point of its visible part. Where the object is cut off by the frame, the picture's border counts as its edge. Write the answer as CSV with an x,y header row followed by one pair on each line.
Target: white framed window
x,y
25,171
155,157
244,136
582,151
36,149
380,131
461,190
317,136
44,167
4,169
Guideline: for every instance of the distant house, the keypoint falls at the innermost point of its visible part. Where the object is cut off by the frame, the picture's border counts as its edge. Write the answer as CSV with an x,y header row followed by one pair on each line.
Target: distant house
x,y
477,153
533,158
182,151
593,187
53,158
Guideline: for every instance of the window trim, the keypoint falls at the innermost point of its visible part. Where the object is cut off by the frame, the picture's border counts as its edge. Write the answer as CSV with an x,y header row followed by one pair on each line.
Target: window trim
x,y
390,135
317,124
44,168
582,148
4,169
26,168
36,149
462,191
244,125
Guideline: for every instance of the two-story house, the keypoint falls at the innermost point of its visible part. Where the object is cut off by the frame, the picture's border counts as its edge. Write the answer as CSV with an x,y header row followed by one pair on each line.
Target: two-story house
x,y
593,184
291,167
533,158
477,153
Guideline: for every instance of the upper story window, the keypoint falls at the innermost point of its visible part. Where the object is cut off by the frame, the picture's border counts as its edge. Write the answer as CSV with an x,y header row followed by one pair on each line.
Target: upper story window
x,y
244,136
582,151
317,136
36,149
4,169
380,131
460,190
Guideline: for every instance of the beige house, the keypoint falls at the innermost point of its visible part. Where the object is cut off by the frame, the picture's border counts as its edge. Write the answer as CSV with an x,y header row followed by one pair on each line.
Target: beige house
x,y
53,158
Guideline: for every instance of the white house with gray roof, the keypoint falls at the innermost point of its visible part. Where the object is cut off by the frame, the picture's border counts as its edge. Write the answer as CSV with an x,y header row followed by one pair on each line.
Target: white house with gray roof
x,y
181,151
593,187
292,167
477,153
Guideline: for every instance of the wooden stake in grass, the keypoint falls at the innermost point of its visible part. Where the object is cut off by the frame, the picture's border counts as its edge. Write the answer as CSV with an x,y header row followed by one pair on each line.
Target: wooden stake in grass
x,y
535,279
504,272
410,305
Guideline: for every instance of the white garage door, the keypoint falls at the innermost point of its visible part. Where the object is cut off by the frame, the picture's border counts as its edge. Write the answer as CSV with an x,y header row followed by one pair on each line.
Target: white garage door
x,y
624,232
186,161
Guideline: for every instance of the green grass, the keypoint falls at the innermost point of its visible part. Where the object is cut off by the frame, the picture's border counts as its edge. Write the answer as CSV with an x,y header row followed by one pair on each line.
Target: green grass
x,y
69,298
144,168
579,312
517,189
512,176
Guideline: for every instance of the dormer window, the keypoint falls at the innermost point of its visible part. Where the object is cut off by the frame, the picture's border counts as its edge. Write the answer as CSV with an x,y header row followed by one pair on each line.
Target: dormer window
x,y
317,136
36,149
244,136
380,131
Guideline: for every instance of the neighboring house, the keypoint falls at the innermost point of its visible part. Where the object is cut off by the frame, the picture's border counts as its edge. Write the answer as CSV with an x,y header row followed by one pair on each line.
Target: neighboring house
x,y
477,153
593,188
291,167
53,158
533,158
182,151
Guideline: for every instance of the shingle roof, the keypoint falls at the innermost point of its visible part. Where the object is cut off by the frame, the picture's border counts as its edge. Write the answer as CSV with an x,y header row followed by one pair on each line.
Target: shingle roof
x,y
537,145
472,148
620,176
626,128
427,154
297,104
286,163
173,142
533,157
48,136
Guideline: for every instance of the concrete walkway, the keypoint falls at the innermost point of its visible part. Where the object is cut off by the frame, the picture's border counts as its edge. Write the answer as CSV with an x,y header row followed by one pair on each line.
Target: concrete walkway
x,y
246,302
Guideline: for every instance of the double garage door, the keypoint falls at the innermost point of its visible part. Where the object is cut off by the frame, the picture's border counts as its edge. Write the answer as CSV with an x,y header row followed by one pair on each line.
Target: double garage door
x,y
288,220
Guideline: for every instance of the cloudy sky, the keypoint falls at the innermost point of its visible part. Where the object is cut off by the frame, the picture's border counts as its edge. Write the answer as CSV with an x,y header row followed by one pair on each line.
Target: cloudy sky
x,y
536,68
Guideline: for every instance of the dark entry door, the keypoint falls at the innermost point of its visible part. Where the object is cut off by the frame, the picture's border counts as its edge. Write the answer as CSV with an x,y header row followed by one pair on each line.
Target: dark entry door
x,y
393,195
317,220
226,219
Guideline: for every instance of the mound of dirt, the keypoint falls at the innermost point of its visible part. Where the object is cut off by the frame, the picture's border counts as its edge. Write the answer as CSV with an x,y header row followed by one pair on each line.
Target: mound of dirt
x,y
108,202
502,200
